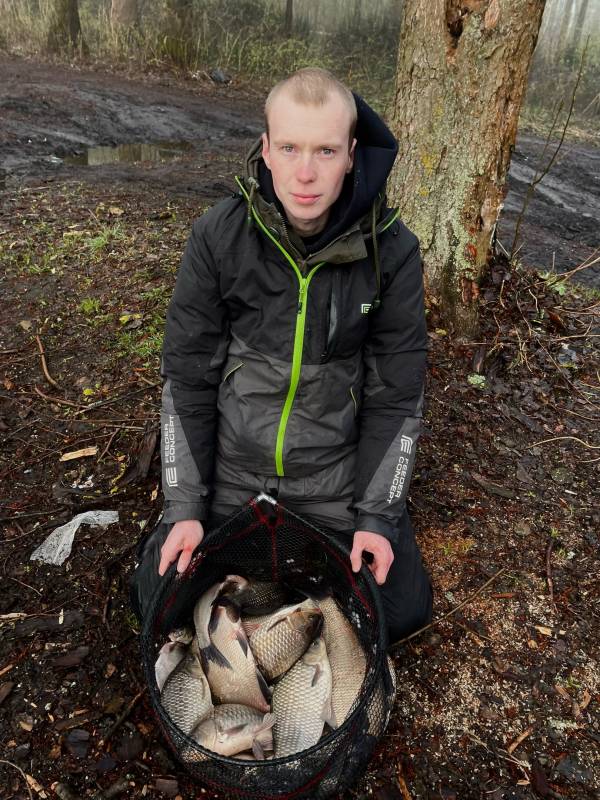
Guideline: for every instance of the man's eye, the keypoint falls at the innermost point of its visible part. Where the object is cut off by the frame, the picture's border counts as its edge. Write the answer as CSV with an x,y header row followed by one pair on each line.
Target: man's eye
x,y
288,148
328,151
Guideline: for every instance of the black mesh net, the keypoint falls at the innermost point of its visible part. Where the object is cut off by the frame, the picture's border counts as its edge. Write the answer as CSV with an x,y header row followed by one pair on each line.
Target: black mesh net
x,y
265,541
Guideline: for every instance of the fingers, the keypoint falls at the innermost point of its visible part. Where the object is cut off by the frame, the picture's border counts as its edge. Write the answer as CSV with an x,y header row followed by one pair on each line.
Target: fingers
x,y
165,562
379,568
184,560
355,557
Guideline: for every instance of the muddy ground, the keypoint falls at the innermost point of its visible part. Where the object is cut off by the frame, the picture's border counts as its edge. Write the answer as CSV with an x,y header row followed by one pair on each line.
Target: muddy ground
x,y
499,700
48,115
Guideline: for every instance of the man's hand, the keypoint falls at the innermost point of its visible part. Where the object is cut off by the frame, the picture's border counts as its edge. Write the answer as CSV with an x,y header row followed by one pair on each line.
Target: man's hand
x,y
379,546
183,538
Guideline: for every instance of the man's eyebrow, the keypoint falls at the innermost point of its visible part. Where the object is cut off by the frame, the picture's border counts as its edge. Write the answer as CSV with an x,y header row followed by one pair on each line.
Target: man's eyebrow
x,y
332,145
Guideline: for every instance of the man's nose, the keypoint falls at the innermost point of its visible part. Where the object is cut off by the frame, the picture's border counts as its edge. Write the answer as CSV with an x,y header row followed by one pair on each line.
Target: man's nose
x,y
306,170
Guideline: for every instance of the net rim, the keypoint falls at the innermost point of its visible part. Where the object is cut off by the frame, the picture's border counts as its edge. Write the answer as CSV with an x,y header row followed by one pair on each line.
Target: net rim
x,y
149,624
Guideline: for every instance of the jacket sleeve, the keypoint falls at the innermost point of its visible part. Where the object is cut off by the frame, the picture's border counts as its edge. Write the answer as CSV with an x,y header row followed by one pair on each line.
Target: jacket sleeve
x,y
395,356
194,349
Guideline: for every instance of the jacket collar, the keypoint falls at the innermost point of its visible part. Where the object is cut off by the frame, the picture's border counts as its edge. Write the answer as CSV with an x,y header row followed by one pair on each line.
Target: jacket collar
x,y
348,246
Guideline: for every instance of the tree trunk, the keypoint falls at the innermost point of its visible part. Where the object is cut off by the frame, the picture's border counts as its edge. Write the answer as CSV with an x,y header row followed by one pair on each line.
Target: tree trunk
x,y
462,75
64,32
124,13
289,16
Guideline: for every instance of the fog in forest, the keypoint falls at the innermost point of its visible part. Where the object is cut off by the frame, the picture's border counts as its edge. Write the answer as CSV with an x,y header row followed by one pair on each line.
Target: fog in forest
x,y
258,40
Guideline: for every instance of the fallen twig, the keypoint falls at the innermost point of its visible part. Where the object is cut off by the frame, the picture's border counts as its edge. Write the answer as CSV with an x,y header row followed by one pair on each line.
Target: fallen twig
x,y
549,570
402,783
469,599
57,400
557,438
49,377
520,738
109,401
10,764
121,718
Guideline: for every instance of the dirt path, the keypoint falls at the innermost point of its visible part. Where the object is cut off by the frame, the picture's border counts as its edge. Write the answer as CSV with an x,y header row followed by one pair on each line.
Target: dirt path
x,y
50,112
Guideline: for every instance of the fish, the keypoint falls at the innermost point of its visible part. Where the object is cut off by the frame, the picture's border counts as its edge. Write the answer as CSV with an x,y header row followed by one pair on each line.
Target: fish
x,y
232,728
302,701
262,597
169,656
203,608
229,662
278,640
186,694
185,634
346,657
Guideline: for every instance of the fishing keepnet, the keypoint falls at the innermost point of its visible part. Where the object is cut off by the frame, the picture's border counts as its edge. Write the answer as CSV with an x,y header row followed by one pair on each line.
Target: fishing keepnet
x,y
267,542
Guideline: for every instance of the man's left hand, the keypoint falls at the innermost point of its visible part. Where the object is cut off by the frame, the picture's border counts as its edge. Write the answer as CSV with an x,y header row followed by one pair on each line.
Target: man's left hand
x,y
379,546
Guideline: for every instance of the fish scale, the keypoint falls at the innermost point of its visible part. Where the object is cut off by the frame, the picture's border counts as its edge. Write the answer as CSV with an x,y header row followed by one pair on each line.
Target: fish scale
x,y
346,657
302,702
186,694
278,640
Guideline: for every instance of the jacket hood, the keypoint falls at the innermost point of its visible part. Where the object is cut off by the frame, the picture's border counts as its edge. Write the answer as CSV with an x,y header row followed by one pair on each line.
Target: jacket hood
x,y
375,153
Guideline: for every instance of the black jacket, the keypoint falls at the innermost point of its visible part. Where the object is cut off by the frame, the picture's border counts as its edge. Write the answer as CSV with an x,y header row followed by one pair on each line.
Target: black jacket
x,y
299,362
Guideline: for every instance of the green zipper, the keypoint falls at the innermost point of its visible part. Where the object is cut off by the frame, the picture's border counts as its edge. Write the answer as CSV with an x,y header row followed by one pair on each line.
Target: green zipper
x,y
298,338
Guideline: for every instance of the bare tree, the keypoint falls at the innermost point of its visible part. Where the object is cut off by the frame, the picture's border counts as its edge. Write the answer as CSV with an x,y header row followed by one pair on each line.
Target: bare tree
x,y
124,13
64,31
577,33
462,74
289,16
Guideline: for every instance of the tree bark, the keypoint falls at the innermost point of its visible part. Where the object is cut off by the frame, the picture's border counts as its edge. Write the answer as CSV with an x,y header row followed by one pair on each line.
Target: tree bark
x,y
462,75
289,16
124,13
65,28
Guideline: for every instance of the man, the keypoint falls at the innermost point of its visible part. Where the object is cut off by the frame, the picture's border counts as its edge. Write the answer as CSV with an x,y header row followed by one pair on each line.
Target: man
x,y
295,345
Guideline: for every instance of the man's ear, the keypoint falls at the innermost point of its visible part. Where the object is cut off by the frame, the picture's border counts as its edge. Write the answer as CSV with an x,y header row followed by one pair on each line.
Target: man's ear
x,y
351,156
265,149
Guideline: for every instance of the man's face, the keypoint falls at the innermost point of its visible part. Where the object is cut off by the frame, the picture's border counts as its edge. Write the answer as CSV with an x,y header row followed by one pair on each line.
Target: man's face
x,y
309,153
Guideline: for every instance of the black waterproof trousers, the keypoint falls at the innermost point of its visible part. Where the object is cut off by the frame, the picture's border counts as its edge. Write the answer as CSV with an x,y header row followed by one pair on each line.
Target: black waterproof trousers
x,y
407,594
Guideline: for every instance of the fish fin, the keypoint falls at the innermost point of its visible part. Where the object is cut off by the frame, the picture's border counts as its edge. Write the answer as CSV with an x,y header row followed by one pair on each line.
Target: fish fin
x,y
258,750
316,675
212,655
242,641
263,687
329,714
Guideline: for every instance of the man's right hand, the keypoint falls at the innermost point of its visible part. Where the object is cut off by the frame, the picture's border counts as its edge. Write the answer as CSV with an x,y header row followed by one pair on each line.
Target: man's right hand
x,y
183,538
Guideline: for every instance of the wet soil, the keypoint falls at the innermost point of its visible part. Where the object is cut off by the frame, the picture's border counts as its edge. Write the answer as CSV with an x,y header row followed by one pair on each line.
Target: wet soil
x,y
499,700
50,113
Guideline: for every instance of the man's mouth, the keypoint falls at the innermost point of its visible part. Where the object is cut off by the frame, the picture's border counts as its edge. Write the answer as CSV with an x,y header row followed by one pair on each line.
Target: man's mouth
x,y
305,199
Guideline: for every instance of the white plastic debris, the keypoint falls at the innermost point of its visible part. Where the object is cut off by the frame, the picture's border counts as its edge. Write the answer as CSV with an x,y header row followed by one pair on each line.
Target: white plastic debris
x,y
57,547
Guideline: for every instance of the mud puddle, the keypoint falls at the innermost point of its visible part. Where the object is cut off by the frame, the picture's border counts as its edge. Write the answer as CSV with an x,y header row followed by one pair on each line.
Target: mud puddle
x,y
51,116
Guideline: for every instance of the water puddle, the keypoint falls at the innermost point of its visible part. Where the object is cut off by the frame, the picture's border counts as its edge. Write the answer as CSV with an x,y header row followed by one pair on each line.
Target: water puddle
x,y
129,153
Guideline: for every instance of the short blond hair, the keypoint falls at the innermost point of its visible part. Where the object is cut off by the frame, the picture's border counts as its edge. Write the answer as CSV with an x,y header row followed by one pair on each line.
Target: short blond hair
x,y
313,86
